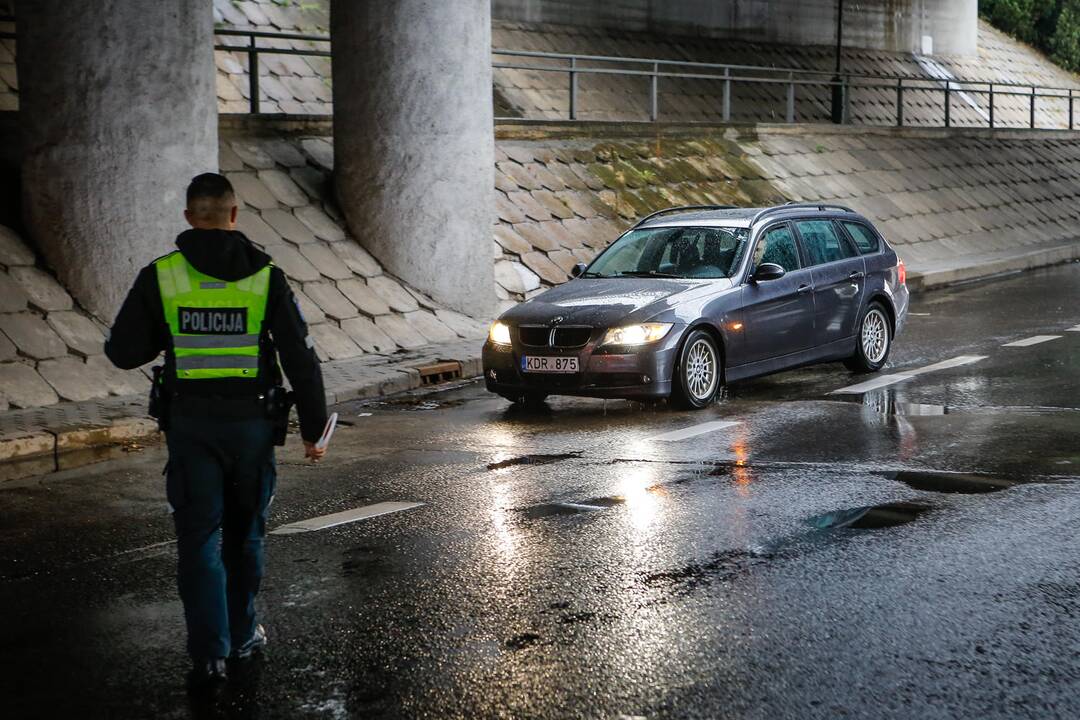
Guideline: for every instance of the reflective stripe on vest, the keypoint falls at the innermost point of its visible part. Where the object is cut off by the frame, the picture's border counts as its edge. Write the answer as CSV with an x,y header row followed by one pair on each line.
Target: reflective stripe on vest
x,y
215,324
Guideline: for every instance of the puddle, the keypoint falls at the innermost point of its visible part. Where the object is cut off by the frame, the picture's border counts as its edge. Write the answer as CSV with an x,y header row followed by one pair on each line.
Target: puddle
x,y
534,459
947,482
721,565
522,641
551,509
607,502
872,517
363,561
885,403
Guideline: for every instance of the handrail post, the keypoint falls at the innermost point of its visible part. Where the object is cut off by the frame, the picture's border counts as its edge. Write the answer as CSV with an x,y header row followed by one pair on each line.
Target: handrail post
x,y
727,94
1031,112
991,106
654,99
791,98
1070,109
947,103
253,75
573,88
846,90
900,102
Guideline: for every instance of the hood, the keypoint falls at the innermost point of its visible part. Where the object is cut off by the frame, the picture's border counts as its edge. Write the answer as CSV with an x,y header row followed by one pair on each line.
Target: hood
x,y
605,302
223,254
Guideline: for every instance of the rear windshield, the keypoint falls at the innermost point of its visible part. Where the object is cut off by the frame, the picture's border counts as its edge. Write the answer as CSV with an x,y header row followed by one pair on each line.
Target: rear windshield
x,y
685,252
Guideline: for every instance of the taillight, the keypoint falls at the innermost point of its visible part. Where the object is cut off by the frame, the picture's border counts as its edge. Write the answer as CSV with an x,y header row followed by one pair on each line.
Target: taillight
x,y
901,272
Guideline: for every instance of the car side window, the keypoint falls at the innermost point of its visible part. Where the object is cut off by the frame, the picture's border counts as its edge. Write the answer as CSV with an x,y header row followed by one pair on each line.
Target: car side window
x,y
823,244
865,238
778,246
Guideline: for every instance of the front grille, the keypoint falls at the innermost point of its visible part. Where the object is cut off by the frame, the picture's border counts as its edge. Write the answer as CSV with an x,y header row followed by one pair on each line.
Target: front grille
x,y
534,336
572,337
564,337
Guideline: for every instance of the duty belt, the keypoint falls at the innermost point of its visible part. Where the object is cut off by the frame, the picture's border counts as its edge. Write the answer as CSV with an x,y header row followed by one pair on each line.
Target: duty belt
x,y
239,408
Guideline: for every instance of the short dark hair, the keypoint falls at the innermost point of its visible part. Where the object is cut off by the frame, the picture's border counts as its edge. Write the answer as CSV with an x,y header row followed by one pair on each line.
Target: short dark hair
x,y
210,186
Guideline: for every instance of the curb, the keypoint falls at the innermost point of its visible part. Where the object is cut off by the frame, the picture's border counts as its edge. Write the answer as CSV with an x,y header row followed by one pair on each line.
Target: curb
x,y
43,451
945,277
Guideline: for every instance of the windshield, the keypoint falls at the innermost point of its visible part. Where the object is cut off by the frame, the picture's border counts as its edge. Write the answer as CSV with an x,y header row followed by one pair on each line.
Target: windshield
x,y
682,252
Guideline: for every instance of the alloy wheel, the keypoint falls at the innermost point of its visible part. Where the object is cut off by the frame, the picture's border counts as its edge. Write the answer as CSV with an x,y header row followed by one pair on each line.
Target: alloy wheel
x,y
701,371
875,336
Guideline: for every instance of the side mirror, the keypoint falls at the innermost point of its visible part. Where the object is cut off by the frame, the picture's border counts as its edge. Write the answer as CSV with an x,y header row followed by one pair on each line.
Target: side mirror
x,y
768,271
577,270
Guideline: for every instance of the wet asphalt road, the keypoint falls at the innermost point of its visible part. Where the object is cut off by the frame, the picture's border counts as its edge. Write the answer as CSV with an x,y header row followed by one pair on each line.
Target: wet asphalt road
x,y
566,563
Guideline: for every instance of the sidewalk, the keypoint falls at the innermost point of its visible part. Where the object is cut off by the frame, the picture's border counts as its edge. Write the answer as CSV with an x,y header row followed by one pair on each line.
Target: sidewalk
x,y
58,437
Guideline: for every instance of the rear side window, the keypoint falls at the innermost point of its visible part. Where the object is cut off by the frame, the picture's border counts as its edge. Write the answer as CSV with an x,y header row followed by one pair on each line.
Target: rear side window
x,y
778,246
822,242
865,238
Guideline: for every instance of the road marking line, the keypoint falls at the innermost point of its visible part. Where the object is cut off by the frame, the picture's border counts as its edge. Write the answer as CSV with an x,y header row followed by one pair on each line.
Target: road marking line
x,y
328,521
946,364
1074,328
694,430
1034,340
878,382
886,380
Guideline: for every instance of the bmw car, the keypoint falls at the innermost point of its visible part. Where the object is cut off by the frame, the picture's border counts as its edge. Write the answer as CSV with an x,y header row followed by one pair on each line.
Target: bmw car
x,y
691,298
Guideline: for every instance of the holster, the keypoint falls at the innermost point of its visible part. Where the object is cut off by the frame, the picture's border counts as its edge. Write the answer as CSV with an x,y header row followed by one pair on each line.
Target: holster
x,y
279,402
158,407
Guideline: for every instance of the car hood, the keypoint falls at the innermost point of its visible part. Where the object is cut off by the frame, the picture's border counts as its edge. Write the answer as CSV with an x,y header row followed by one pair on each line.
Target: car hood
x,y
605,302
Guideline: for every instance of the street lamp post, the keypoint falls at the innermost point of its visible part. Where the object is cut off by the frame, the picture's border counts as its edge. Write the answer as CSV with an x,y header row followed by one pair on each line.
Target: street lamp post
x,y
837,87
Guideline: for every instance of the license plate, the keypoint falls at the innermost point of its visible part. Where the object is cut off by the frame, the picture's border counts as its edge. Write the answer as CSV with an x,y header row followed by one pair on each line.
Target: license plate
x,y
532,363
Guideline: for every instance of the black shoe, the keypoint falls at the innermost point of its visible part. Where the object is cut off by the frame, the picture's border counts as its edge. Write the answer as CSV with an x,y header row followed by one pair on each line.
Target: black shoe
x,y
208,672
255,644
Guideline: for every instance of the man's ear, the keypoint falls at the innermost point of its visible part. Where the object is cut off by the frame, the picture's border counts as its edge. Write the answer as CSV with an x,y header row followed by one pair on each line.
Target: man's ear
x,y
232,215
187,216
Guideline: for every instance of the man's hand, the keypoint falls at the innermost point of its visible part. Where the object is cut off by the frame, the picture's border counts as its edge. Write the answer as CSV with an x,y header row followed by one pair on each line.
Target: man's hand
x,y
313,453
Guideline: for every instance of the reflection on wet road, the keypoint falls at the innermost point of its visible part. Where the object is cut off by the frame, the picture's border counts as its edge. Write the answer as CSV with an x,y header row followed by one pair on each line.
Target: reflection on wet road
x,y
901,549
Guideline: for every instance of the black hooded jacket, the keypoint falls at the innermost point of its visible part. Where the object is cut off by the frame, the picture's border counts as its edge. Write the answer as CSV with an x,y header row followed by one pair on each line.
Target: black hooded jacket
x,y
140,332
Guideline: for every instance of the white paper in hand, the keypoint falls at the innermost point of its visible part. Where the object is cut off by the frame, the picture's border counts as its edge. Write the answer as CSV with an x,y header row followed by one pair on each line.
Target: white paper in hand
x,y
327,433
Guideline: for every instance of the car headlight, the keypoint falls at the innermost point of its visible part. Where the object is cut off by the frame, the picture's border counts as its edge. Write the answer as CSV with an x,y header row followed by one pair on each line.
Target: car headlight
x,y
499,333
636,334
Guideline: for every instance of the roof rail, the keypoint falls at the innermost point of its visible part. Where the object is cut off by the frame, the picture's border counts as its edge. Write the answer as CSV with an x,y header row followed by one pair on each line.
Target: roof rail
x,y
794,205
682,208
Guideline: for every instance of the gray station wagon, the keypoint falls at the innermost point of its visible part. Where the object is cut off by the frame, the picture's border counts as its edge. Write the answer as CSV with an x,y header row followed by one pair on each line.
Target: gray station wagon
x,y
694,297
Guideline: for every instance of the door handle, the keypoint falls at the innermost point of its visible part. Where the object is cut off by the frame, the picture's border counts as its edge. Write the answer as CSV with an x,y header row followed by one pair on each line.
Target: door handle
x,y
856,275
803,289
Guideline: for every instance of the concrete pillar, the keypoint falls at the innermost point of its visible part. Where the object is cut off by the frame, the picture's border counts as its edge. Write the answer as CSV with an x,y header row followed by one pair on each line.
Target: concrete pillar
x,y
118,111
414,144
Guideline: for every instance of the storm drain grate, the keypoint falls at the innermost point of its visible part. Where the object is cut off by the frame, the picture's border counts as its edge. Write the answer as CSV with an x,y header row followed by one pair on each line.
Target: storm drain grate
x,y
439,372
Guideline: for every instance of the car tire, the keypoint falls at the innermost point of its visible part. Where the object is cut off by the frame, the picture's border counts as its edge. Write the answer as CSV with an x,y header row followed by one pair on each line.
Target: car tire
x,y
698,375
873,340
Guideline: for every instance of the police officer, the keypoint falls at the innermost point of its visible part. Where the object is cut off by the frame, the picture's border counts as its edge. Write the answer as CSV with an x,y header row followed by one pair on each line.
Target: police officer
x,y
221,313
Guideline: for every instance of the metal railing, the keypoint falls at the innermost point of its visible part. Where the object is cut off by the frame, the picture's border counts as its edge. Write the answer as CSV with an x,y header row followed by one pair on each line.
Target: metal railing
x,y
252,50
575,66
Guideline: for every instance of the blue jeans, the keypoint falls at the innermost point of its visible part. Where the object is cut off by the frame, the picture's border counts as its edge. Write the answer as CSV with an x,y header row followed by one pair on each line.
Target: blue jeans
x,y
219,481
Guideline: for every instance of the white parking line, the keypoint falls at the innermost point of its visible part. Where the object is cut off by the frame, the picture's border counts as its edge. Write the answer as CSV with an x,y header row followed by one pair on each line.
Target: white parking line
x,y
328,521
694,430
886,380
1074,328
865,387
1034,340
946,364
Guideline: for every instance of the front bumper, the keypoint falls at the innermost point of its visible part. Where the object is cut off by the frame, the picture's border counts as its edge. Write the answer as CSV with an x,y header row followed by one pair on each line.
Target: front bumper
x,y
640,373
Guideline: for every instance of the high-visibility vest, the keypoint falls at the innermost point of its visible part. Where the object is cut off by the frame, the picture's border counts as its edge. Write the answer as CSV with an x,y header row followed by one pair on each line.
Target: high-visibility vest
x,y
215,324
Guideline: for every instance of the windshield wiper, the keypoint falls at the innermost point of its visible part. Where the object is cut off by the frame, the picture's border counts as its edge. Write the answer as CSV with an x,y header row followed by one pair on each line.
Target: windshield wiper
x,y
648,273
592,275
